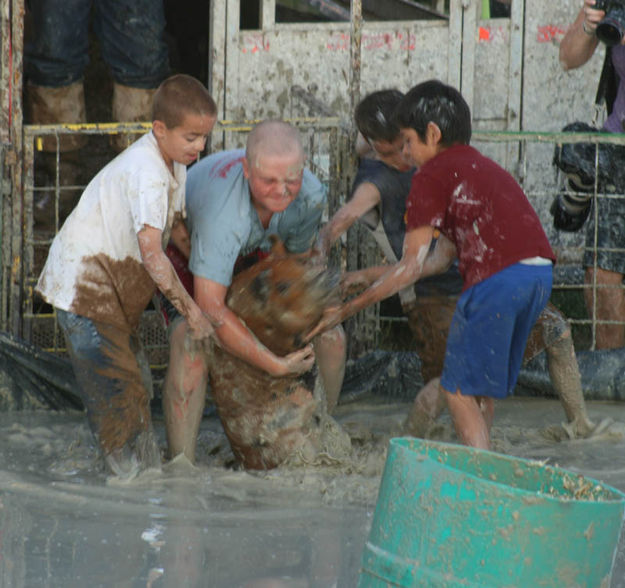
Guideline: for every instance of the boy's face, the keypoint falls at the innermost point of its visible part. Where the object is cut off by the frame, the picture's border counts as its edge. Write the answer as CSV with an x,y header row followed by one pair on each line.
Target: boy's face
x,y
275,180
390,152
415,150
184,142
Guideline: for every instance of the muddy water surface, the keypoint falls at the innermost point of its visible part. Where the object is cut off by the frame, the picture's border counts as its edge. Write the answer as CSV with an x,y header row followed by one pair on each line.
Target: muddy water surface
x,y
64,524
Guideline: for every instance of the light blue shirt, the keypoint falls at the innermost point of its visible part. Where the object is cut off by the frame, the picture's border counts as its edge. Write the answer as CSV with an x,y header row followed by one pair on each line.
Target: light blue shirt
x,y
224,225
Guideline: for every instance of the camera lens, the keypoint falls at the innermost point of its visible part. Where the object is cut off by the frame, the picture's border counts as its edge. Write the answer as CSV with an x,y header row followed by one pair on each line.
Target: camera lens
x,y
612,28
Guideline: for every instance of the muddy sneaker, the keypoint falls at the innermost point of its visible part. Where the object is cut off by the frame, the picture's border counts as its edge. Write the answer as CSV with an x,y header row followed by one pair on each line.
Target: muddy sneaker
x,y
131,459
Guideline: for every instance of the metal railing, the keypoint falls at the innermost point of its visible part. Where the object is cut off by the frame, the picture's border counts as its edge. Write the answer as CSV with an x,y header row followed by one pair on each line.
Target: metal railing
x,y
327,143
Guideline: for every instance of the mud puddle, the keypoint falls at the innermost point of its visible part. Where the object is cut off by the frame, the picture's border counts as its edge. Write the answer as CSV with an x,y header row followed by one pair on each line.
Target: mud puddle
x,y
64,524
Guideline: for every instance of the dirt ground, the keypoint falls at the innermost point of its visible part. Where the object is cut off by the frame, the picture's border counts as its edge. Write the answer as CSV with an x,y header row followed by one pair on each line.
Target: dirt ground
x,y
64,524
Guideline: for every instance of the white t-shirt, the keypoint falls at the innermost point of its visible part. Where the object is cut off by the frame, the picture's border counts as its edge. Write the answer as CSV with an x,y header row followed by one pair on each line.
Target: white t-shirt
x,y
94,265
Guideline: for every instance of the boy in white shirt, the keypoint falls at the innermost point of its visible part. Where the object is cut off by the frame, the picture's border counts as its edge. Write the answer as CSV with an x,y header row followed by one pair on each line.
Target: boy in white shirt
x,y
107,260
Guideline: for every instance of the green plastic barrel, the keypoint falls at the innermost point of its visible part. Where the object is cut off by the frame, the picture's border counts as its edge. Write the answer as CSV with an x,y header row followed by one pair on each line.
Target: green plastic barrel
x,y
449,515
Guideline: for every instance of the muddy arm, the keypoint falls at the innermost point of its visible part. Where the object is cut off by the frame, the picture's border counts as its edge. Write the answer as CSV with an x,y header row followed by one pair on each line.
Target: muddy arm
x,y
366,197
164,275
397,276
238,340
436,262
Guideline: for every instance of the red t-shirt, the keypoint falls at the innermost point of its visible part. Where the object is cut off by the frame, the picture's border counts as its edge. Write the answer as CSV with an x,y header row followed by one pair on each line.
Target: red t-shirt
x,y
480,207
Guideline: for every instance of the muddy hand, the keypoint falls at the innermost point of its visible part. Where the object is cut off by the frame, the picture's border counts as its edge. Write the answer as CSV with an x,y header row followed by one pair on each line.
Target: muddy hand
x,y
300,361
201,328
332,316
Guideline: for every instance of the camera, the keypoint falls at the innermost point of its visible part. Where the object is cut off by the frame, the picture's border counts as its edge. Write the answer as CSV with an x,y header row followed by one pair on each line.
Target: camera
x,y
570,209
612,28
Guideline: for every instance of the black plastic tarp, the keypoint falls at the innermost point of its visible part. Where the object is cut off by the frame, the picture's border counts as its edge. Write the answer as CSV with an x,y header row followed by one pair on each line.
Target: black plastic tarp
x,y
31,378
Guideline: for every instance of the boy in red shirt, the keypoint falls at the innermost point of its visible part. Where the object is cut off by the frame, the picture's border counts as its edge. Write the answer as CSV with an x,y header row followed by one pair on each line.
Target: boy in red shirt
x,y
479,213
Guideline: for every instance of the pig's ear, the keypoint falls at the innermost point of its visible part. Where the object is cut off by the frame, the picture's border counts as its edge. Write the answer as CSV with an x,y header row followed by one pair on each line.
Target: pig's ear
x,y
277,246
260,286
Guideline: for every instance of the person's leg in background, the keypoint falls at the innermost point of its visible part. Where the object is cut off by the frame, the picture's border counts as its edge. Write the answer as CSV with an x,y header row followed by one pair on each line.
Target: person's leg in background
x,y
132,38
55,56
610,306
604,293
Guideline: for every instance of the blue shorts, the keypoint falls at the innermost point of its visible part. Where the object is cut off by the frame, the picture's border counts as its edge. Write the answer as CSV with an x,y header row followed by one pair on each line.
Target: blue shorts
x,y
489,330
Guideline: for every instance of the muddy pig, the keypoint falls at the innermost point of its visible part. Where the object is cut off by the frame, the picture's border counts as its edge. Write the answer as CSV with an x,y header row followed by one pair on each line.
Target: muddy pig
x,y
268,419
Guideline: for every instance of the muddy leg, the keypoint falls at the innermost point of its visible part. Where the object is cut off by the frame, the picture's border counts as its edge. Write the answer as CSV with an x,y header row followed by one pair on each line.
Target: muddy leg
x,y
184,392
566,380
115,387
427,407
469,420
330,350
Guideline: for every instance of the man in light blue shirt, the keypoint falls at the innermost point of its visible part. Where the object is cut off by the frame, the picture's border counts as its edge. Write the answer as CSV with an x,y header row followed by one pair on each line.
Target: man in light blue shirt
x,y
235,200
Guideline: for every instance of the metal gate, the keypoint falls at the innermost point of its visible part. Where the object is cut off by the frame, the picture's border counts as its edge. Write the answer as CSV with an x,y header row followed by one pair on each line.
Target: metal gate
x,y
507,68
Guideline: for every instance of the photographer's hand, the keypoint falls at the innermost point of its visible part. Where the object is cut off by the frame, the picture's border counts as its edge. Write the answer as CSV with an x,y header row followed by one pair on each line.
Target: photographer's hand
x,y
592,17
579,43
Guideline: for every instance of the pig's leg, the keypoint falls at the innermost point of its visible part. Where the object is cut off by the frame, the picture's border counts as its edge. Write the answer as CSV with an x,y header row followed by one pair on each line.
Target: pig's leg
x,y
184,391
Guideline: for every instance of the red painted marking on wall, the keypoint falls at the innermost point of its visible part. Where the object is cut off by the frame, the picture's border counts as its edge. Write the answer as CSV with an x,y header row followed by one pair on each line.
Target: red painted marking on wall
x,y
493,34
338,42
373,41
549,33
254,43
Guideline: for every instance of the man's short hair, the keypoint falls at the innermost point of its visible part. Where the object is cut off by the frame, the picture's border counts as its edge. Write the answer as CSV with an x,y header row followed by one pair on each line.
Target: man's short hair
x,y
374,115
273,137
435,102
178,96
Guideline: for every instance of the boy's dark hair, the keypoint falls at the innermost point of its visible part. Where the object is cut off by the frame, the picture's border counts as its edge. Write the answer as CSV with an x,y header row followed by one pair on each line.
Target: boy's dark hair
x,y
433,101
178,96
374,115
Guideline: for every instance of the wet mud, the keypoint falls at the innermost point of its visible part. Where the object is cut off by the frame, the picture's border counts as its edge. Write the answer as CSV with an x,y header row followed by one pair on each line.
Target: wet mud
x,y
64,523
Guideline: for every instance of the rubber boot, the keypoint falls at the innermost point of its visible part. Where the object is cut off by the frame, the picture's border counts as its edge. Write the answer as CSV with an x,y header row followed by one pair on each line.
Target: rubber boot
x,y
48,105
130,105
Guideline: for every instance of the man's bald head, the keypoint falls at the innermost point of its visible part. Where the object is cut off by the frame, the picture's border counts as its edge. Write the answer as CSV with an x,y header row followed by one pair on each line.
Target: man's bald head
x,y
273,138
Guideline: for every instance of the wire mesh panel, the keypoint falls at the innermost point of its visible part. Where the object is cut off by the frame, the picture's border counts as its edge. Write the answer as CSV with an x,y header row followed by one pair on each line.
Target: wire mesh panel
x,y
53,184
49,197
